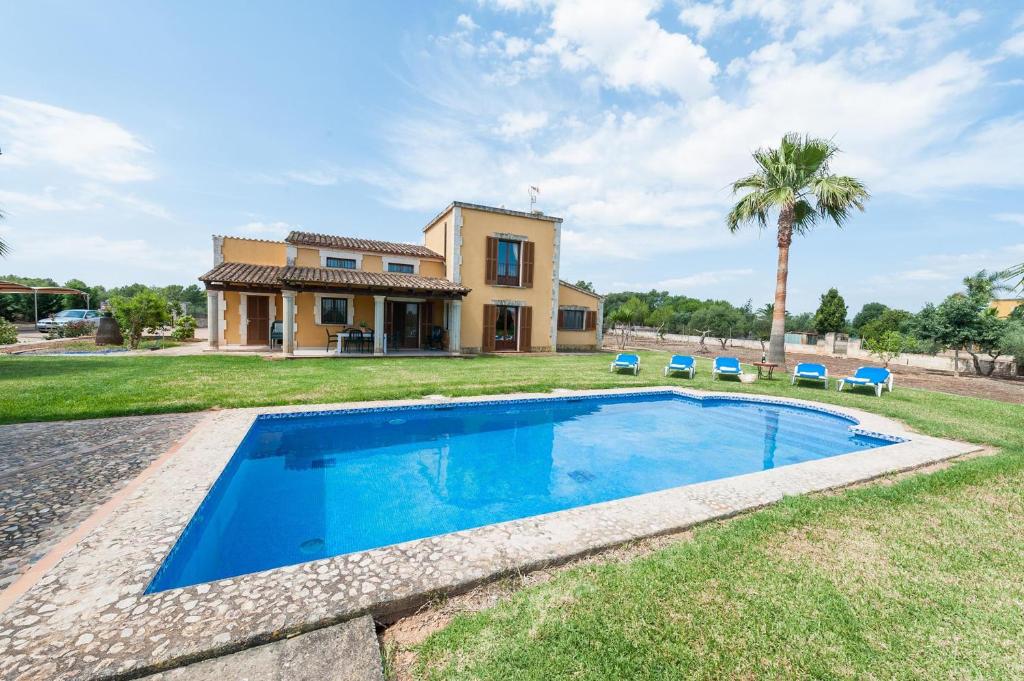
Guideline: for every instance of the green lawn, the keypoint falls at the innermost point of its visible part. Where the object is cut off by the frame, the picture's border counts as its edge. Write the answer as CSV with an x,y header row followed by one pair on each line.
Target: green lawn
x,y
919,579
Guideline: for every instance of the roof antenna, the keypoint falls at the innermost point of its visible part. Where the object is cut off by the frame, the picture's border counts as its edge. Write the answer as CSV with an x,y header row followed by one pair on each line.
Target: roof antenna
x,y
533,196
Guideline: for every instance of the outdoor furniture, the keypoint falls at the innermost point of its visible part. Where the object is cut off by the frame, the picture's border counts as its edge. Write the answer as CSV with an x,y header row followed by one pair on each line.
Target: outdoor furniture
x,y
681,363
725,366
808,371
871,377
626,360
333,338
276,333
436,341
353,337
367,344
763,367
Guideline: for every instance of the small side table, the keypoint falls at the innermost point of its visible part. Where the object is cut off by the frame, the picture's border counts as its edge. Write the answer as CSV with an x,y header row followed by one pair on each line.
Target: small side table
x,y
763,367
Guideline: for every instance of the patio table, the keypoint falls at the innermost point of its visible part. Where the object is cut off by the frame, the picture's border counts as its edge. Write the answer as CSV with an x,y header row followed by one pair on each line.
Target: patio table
x,y
765,366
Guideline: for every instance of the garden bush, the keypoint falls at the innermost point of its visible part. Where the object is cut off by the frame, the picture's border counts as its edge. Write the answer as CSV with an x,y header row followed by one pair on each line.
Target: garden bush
x,y
184,328
8,333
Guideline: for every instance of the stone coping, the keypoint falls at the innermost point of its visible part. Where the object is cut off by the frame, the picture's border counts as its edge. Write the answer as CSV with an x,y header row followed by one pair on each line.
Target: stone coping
x,y
88,616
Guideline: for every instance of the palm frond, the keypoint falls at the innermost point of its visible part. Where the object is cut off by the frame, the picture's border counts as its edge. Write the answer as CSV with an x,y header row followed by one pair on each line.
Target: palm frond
x,y
751,207
804,216
838,195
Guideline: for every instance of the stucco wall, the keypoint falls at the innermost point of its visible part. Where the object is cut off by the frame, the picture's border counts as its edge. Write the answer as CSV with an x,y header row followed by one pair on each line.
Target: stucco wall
x,y
254,252
477,226
577,340
439,237
1004,307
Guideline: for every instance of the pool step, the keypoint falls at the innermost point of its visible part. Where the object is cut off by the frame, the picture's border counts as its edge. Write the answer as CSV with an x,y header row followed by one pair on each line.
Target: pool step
x,y
345,652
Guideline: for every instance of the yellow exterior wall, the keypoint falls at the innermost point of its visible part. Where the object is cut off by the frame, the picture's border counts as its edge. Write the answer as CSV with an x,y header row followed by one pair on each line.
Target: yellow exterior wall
x,y
1005,307
439,237
476,227
433,268
307,257
571,297
254,252
232,312
311,334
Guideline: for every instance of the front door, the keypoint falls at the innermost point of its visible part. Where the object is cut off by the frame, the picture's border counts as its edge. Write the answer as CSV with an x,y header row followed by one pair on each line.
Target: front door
x,y
505,328
257,309
406,324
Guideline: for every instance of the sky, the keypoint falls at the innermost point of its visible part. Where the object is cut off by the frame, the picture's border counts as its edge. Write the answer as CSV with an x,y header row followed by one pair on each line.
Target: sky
x,y
131,132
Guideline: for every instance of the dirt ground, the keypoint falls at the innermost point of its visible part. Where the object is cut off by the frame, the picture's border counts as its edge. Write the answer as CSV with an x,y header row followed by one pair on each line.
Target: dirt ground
x,y
1004,389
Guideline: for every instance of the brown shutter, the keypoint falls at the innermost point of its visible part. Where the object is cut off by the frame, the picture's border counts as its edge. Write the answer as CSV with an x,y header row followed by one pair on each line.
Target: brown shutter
x,y
590,320
561,319
491,268
525,329
527,279
490,324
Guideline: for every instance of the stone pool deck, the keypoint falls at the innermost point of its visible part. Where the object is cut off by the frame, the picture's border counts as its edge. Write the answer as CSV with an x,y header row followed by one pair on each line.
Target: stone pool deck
x,y
88,617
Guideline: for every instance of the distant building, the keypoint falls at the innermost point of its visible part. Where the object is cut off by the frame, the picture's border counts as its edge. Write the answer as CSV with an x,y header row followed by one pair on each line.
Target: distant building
x,y
1005,306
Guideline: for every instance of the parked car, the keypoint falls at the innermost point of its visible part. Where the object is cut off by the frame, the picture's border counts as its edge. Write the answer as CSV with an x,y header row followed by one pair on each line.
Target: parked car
x,y
66,317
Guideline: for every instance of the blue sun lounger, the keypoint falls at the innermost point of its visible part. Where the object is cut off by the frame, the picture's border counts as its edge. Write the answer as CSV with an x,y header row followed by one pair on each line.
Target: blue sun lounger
x,y
808,371
681,363
726,366
870,377
626,360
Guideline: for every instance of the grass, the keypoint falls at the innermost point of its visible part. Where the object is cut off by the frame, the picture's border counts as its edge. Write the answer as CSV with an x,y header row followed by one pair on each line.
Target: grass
x,y
917,579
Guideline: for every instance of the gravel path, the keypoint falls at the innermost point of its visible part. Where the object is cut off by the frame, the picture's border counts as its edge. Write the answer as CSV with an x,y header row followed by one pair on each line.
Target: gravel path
x,y
53,475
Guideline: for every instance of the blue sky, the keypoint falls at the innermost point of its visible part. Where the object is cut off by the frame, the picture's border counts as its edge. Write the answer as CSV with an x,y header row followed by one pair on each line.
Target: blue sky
x,y
131,132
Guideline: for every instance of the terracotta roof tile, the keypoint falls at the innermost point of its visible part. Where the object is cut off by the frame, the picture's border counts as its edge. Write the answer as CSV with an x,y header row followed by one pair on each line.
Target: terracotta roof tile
x,y
279,277
354,244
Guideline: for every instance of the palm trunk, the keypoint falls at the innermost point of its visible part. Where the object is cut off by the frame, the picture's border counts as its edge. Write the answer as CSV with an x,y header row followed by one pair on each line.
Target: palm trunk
x,y
777,342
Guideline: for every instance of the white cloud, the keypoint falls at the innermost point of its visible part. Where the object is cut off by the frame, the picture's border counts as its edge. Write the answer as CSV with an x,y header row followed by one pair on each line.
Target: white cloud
x,y
318,177
90,196
65,255
519,123
690,283
46,201
1013,46
85,144
264,230
466,23
1010,217
941,274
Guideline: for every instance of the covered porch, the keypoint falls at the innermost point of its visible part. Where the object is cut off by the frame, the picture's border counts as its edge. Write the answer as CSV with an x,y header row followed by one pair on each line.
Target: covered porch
x,y
326,312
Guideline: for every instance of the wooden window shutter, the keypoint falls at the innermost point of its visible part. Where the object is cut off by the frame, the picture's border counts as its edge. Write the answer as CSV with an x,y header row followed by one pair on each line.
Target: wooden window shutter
x,y
491,268
525,329
490,324
425,323
527,278
590,322
561,319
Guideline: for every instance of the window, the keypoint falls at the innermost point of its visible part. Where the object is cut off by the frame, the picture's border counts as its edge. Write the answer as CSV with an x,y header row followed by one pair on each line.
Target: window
x,y
508,262
343,263
334,311
572,320
401,268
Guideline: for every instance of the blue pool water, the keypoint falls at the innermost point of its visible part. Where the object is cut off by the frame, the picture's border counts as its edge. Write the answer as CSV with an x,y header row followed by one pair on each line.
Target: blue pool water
x,y
308,486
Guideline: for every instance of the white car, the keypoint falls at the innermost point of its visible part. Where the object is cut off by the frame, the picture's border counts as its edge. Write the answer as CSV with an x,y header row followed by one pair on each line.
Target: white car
x,y
66,317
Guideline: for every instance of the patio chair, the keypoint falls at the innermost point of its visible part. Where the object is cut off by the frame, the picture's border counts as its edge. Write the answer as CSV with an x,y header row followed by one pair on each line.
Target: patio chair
x,y
808,371
353,337
681,363
436,341
626,360
367,345
725,366
870,377
276,333
332,337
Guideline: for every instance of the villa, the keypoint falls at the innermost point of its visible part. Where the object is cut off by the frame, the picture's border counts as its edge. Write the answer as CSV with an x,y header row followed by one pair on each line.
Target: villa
x,y
484,279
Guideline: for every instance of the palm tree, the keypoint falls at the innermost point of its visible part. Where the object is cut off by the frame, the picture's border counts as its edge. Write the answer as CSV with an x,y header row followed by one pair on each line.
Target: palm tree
x,y
793,180
3,244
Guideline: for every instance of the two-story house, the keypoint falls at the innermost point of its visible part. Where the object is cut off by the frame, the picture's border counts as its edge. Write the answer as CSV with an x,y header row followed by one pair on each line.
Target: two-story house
x,y
484,280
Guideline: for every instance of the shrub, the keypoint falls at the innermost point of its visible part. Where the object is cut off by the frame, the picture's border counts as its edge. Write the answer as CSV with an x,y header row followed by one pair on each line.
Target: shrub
x,y
71,330
8,332
184,328
143,311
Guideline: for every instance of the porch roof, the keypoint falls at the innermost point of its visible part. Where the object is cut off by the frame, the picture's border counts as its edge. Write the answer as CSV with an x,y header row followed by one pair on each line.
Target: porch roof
x,y
236,274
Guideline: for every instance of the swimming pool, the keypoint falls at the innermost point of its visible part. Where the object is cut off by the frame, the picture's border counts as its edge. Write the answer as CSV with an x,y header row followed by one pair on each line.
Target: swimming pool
x,y
304,486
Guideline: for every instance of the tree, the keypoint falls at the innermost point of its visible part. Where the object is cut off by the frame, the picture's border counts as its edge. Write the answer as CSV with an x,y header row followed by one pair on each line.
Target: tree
x,y
869,313
890,320
831,314
793,181
722,321
145,311
585,285
887,347
634,311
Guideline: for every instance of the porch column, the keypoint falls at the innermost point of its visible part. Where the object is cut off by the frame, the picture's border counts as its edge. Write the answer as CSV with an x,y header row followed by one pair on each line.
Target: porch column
x,y
378,325
213,318
455,326
288,342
